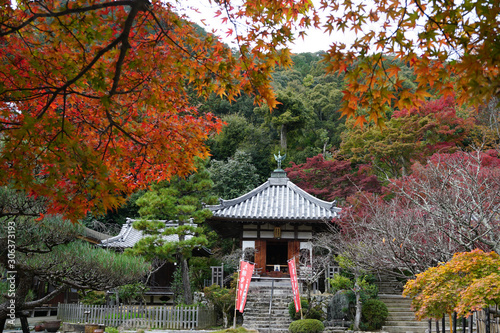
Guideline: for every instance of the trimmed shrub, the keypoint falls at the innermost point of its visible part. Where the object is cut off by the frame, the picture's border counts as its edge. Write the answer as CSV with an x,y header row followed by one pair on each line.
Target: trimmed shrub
x,y
304,304
110,329
373,314
306,326
315,312
309,312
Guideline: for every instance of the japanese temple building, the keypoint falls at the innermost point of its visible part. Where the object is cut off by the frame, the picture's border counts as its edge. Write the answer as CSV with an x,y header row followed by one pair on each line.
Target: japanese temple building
x,y
277,219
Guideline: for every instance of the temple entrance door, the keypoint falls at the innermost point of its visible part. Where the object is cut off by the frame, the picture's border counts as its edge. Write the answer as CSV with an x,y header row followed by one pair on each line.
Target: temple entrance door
x,y
277,256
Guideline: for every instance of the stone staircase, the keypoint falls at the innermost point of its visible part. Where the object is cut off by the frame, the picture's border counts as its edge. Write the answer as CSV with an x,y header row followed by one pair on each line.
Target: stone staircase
x,y
401,318
256,315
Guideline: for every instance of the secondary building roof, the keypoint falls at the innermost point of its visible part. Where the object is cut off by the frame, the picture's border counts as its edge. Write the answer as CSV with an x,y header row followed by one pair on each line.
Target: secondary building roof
x,y
93,236
129,236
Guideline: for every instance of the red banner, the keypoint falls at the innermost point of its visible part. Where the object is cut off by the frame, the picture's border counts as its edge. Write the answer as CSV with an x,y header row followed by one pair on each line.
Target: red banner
x,y
295,283
246,271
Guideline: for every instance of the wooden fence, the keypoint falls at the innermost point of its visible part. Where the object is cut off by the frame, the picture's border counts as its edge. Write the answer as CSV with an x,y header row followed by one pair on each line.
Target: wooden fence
x,y
167,317
486,321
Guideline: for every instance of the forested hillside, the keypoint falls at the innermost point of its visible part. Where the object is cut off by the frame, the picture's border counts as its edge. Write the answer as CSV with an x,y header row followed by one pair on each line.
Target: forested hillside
x,y
308,127
308,123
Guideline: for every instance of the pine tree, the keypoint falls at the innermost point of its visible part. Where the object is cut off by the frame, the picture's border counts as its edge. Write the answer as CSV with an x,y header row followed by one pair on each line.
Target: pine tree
x,y
181,202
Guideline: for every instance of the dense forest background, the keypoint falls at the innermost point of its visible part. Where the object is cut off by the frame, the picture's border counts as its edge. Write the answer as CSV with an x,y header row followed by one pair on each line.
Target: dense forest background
x,y
308,128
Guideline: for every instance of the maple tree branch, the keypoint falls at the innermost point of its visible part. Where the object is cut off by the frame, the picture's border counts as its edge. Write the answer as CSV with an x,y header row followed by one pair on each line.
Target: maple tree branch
x,y
195,56
108,142
78,76
35,16
125,46
243,55
164,33
137,6
419,5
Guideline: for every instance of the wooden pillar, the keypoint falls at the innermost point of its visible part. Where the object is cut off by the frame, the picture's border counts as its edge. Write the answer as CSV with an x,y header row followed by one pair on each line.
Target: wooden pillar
x,y
260,255
294,250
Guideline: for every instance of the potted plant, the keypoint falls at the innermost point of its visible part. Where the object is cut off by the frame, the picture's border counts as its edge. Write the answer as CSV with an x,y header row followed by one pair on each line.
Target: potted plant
x,y
39,327
52,326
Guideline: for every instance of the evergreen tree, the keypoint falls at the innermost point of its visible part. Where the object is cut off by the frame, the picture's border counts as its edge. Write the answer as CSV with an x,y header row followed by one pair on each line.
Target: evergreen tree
x,y
235,177
181,200
49,249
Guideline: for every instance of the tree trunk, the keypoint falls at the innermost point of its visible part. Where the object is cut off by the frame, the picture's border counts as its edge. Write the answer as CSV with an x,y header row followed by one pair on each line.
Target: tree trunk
x,y
224,319
186,285
283,137
3,319
357,317
24,323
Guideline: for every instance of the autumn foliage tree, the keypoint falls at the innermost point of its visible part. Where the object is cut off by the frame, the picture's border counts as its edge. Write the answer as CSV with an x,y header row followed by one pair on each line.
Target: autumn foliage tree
x,y
468,282
411,135
330,179
450,205
451,47
94,94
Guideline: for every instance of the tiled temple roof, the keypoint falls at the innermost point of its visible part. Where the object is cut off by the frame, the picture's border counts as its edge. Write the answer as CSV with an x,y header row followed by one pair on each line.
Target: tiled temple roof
x,y
276,199
128,236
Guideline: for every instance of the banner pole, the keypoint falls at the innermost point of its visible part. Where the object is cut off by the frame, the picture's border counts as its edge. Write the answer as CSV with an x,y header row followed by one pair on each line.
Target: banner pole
x,y
295,287
236,296
271,305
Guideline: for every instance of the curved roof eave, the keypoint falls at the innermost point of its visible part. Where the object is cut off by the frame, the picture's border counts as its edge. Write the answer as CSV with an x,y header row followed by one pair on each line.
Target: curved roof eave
x,y
276,199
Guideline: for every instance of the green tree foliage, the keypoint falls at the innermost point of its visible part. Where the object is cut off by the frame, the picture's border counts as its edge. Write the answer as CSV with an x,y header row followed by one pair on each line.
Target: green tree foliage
x,y
306,326
356,282
409,136
223,299
132,293
90,297
235,177
325,99
308,311
181,201
240,134
373,314
118,216
318,95
49,249
200,271
291,115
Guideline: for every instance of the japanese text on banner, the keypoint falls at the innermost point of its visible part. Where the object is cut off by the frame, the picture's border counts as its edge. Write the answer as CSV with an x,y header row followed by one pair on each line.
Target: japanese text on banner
x,y
246,271
295,283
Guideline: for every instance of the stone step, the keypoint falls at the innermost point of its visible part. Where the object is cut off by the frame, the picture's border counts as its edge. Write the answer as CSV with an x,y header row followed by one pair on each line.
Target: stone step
x,y
256,315
406,323
403,303
335,330
400,309
401,317
393,300
265,319
404,329
265,323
